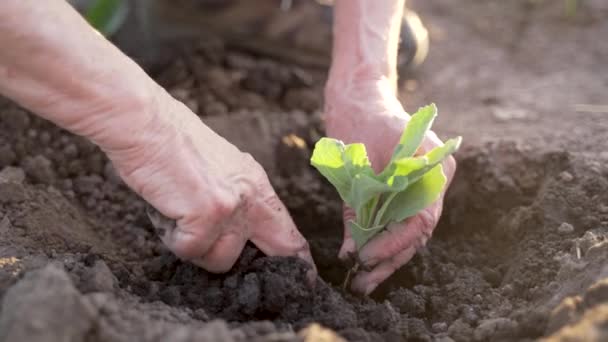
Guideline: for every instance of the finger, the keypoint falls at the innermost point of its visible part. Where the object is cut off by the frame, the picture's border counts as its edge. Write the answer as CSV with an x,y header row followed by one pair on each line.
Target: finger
x,y
193,237
223,254
366,282
187,243
274,232
415,231
348,246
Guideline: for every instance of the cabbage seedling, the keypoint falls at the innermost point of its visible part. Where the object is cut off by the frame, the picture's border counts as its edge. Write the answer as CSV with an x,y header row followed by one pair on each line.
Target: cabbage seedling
x,y
407,184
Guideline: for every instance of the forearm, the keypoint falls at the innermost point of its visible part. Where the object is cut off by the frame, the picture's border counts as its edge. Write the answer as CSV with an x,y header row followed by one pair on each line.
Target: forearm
x,y
366,41
54,64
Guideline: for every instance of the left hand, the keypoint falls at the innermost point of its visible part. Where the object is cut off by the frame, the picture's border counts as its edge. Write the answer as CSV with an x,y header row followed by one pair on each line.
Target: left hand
x,y
370,113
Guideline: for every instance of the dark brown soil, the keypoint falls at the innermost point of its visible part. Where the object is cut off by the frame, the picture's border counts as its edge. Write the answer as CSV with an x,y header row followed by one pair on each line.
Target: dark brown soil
x,y
520,252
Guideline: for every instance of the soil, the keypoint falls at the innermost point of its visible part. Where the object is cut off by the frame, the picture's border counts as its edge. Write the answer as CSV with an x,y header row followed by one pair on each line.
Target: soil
x,y
520,253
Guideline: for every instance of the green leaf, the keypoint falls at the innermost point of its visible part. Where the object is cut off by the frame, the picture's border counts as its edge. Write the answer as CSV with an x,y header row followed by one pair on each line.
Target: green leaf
x,y
327,157
415,131
364,188
438,154
342,165
361,234
432,158
395,174
416,197
356,156
107,16
406,185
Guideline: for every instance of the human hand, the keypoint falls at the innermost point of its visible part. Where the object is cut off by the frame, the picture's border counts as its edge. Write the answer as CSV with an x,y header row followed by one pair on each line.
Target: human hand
x,y
368,112
219,196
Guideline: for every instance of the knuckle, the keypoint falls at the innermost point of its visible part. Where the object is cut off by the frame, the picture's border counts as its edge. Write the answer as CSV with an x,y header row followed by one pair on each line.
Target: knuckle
x,y
393,245
274,202
219,202
222,206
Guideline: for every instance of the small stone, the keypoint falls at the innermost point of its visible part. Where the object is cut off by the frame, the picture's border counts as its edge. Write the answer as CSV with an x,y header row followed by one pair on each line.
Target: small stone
x,y
603,208
12,174
439,327
565,228
566,176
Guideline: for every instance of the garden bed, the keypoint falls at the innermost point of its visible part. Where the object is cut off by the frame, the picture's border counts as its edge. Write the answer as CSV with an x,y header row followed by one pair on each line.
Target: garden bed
x,y
524,230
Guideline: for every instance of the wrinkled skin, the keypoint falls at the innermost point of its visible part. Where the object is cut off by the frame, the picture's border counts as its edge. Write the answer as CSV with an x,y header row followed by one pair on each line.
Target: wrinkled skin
x,y
59,68
362,106
380,132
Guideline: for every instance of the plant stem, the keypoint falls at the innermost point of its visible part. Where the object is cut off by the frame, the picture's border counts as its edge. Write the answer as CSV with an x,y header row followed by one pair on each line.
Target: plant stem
x,y
372,211
388,200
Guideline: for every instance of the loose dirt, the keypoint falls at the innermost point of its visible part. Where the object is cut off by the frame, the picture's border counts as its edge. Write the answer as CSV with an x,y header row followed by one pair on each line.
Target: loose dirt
x,y
520,253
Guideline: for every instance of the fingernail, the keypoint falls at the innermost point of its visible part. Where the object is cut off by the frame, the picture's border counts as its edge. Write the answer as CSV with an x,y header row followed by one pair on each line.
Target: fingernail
x,y
370,288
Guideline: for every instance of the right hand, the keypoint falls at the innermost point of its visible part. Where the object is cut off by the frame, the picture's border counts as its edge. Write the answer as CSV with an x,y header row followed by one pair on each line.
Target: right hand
x,y
219,196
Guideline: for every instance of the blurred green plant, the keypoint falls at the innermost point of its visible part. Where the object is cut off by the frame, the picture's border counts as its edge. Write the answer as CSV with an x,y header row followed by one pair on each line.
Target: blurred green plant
x,y
571,8
107,16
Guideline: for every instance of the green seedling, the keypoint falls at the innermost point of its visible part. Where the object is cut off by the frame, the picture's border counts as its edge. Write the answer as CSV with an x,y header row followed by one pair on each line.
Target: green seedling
x,y
107,16
407,184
